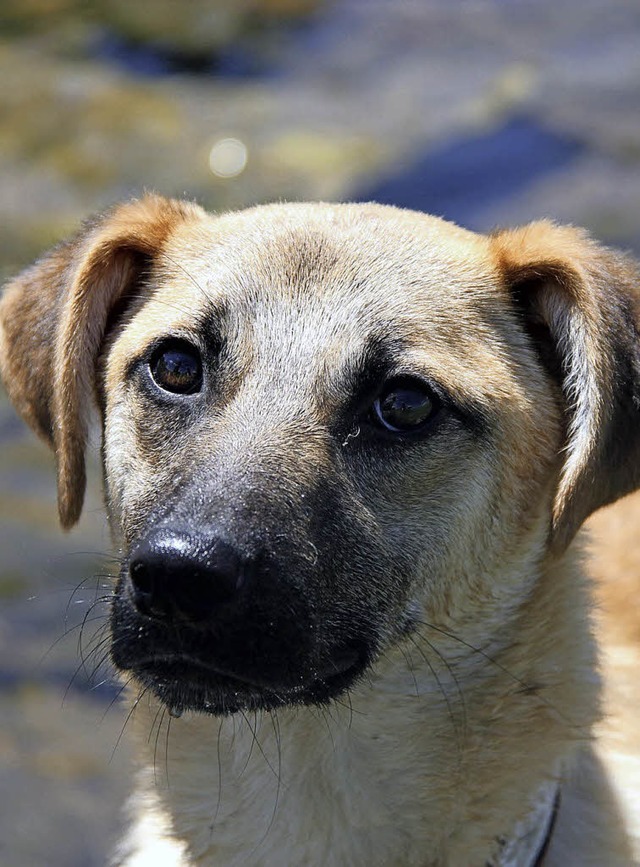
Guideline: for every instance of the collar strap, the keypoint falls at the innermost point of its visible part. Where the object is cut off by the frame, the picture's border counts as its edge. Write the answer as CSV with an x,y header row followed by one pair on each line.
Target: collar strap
x,y
529,842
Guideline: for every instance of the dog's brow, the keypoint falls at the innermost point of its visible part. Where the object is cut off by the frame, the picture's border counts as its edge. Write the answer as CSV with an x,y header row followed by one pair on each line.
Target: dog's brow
x,y
372,361
382,357
210,322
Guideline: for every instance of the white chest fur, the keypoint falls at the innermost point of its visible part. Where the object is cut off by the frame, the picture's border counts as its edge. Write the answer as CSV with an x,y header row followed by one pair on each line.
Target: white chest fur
x,y
296,787
386,778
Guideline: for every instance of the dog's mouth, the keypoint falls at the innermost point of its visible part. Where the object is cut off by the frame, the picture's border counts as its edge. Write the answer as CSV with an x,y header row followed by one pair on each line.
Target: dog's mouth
x,y
183,682
205,629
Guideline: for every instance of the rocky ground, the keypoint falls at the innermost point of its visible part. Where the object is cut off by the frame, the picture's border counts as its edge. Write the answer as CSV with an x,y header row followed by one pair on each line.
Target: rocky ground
x,y
484,112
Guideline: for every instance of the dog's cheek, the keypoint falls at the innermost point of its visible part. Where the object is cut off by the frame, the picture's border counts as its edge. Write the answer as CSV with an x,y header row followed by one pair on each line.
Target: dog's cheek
x,y
463,529
425,501
133,478
359,584
117,444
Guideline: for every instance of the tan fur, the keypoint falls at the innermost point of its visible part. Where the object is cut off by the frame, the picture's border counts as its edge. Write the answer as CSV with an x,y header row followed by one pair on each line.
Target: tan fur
x,y
615,566
53,324
582,310
440,751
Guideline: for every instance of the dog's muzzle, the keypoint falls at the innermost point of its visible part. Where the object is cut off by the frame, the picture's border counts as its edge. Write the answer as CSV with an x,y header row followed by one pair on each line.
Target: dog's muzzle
x,y
210,625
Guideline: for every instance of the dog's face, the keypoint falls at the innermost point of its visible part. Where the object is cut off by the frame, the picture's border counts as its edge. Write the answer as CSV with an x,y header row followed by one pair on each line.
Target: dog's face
x,y
324,426
298,422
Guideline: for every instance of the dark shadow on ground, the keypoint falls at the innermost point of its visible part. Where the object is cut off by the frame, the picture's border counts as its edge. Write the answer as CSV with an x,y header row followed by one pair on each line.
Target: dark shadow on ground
x,y
464,177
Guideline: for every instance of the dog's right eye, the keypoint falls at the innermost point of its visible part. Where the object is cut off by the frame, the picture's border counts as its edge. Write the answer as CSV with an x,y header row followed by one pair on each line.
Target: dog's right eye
x,y
176,366
406,405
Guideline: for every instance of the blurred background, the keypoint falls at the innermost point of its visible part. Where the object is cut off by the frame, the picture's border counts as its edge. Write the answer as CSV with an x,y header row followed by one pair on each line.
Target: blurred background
x,y
486,112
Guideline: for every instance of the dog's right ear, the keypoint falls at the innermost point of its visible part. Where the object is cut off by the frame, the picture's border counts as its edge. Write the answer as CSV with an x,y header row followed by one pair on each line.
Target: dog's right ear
x,y
53,319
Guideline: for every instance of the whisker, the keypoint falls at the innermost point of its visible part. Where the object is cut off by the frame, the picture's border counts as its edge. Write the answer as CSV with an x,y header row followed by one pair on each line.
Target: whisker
x,y
323,712
275,722
126,722
155,744
166,751
259,745
219,757
349,706
64,635
116,697
447,700
527,687
409,662
189,276
162,301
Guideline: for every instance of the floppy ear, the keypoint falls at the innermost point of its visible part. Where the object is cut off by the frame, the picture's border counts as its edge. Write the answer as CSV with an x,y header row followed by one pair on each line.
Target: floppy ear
x,y
581,307
53,319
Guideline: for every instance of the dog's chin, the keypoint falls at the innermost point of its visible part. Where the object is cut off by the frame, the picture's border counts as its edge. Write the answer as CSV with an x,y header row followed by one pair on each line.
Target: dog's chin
x,y
184,684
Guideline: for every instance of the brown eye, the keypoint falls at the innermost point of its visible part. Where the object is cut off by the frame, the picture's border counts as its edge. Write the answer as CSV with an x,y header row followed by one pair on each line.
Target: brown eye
x,y
405,405
177,367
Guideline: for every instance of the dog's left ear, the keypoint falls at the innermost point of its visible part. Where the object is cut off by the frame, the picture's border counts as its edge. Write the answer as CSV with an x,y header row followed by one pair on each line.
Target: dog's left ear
x,y
53,319
581,307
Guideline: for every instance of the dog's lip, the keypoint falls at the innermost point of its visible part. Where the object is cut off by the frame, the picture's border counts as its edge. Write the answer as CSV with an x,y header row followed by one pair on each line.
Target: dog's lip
x,y
181,665
160,664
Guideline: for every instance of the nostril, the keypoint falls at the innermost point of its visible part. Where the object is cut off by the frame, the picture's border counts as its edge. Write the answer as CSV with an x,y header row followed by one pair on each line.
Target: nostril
x,y
146,592
141,576
228,574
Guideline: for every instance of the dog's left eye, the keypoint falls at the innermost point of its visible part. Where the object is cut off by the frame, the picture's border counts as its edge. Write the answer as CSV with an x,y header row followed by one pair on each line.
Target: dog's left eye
x,y
405,405
176,367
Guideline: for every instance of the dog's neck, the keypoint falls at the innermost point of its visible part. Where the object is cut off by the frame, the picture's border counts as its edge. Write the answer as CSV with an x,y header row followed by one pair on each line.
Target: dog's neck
x,y
426,762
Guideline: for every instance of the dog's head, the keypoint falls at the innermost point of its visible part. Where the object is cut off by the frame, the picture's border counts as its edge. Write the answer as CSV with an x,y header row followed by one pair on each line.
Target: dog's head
x,y
323,425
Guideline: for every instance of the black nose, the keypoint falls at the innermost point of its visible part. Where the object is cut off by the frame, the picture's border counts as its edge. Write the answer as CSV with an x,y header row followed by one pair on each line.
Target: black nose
x,y
178,575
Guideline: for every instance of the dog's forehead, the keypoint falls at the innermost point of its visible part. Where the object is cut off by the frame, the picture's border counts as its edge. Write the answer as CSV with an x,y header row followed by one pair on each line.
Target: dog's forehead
x,y
359,253
355,268
333,275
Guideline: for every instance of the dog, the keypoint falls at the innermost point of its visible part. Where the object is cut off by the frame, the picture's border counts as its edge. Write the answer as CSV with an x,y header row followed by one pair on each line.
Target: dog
x,y
347,451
